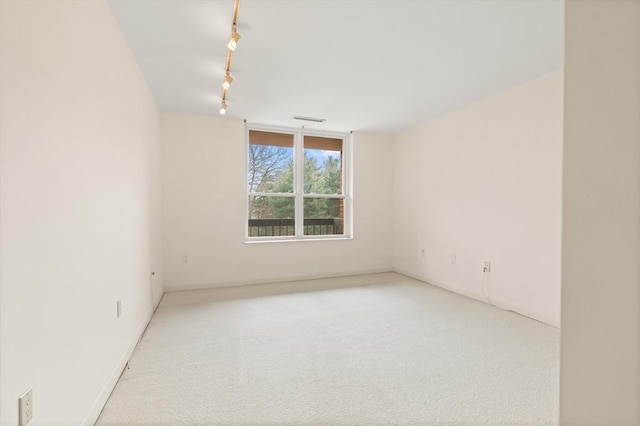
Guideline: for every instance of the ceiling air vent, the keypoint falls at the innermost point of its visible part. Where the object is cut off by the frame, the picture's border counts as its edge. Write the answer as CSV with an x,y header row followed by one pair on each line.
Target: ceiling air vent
x,y
317,120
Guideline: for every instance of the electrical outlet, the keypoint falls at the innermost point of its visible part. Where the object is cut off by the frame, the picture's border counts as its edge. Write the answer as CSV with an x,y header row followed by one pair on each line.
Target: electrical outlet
x,y
118,309
25,407
487,266
454,259
185,258
423,253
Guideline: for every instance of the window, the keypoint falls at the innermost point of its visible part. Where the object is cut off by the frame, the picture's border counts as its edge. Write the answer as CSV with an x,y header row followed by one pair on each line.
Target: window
x,y
297,184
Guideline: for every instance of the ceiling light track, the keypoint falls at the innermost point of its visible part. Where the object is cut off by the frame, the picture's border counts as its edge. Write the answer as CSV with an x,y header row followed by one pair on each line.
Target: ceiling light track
x,y
231,46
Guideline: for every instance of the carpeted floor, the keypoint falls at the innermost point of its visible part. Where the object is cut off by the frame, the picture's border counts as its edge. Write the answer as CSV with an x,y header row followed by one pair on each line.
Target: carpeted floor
x,y
365,350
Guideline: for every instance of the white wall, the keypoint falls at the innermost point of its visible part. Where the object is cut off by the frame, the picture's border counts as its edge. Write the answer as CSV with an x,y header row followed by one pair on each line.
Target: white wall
x,y
600,338
79,207
484,183
203,207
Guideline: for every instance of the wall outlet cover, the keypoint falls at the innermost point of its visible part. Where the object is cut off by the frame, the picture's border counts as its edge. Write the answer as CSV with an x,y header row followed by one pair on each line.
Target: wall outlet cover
x,y
25,406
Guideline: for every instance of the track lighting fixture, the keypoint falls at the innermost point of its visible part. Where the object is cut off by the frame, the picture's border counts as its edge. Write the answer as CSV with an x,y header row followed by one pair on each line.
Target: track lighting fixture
x,y
233,43
227,81
235,38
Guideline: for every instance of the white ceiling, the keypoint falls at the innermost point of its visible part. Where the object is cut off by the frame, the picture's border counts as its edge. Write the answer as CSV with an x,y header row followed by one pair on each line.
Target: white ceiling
x,y
378,65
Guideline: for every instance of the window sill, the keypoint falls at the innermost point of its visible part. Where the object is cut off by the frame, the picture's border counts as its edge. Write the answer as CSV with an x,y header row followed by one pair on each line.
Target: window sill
x,y
295,240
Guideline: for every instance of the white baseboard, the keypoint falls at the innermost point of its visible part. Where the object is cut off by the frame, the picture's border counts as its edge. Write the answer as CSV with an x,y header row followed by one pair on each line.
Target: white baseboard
x,y
526,312
496,302
157,302
205,286
100,401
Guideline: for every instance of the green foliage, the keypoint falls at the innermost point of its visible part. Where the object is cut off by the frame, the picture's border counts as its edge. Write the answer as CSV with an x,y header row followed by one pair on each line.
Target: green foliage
x,y
322,178
332,177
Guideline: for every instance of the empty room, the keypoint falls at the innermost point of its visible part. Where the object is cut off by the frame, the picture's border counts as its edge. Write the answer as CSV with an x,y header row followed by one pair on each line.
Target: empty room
x,y
316,212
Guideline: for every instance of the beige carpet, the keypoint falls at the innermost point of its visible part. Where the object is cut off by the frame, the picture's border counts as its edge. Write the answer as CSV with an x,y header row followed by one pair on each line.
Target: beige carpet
x,y
366,350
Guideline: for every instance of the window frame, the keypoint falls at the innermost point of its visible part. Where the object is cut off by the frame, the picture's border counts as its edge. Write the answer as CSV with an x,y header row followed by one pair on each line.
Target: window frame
x,y
298,183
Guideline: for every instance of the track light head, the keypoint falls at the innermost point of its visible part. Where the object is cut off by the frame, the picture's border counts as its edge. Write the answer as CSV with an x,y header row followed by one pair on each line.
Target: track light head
x,y
235,38
227,81
223,107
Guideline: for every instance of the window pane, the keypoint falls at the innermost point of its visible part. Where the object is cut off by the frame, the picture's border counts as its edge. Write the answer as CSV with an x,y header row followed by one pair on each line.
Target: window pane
x,y
270,162
323,216
271,216
322,165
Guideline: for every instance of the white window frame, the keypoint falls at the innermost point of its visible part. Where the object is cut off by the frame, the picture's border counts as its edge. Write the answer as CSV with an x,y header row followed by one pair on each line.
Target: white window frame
x,y
298,190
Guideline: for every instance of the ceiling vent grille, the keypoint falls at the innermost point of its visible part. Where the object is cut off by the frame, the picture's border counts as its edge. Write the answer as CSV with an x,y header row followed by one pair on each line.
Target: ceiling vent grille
x,y
317,120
